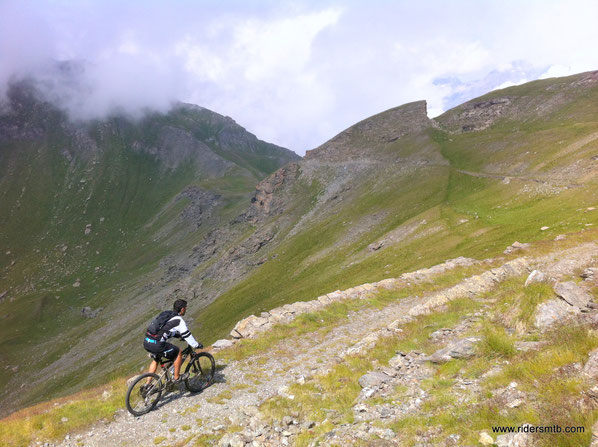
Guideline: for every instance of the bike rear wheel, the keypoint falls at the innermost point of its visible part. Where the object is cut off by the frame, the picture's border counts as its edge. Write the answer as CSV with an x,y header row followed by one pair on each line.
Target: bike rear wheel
x,y
201,371
142,396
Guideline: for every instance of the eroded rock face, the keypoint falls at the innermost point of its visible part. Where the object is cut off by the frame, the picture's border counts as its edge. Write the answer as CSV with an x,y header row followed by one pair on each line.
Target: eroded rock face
x,y
202,202
265,202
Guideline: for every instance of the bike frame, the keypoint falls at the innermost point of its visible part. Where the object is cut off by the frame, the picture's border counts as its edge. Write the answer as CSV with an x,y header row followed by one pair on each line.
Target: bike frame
x,y
166,372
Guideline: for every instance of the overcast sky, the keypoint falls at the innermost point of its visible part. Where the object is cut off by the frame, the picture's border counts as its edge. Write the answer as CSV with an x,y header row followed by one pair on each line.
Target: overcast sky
x,y
295,73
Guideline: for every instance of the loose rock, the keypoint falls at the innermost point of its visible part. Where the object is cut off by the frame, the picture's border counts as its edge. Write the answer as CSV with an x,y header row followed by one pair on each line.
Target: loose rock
x,y
460,349
535,276
573,294
553,311
590,369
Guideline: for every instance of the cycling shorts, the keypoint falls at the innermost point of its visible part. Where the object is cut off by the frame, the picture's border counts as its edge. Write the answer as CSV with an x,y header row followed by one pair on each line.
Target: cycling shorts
x,y
165,350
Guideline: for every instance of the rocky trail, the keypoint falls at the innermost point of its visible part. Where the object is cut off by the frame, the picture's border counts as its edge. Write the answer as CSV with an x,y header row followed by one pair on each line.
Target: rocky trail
x,y
228,412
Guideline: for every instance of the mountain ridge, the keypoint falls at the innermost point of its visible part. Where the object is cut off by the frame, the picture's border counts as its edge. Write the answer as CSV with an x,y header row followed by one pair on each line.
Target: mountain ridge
x,y
363,212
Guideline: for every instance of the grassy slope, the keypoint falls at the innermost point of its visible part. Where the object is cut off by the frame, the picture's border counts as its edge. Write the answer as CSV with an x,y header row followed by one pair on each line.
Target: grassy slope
x,y
127,197
497,213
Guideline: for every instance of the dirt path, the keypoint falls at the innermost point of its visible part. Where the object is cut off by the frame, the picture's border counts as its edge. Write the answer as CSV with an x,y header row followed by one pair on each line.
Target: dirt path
x,y
241,386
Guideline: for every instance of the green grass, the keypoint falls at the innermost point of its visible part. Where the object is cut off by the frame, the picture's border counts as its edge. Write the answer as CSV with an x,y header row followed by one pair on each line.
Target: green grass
x,y
127,196
52,420
135,195
325,320
516,305
496,342
335,392
221,397
535,372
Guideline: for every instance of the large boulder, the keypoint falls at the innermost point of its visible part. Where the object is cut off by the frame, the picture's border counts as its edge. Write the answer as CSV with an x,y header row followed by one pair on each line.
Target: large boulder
x,y
460,349
573,294
248,327
553,311
535,276
373,379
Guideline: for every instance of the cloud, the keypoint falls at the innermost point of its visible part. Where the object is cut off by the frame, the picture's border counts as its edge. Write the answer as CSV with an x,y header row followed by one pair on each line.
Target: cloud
x,y
294,73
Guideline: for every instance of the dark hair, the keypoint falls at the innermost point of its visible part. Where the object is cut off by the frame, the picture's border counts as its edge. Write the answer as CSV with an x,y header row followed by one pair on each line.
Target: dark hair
x,y
179,304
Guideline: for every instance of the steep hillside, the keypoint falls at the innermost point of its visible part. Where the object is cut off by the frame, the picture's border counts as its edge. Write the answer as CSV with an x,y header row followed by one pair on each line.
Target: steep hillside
x,y
393,193
92,213
445,356
398,191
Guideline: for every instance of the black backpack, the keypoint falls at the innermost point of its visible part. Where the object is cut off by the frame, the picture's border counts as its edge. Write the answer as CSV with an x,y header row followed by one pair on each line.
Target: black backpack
x,y
154,330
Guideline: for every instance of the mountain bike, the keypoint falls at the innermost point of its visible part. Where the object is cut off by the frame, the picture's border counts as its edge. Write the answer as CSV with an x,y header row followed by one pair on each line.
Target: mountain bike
x,y
143,396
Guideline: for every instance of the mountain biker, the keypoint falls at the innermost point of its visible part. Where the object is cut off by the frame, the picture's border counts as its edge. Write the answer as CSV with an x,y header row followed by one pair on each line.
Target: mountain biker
x,y
169,324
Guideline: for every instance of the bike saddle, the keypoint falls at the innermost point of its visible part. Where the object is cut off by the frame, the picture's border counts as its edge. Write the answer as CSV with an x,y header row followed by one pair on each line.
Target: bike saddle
x,y
164,362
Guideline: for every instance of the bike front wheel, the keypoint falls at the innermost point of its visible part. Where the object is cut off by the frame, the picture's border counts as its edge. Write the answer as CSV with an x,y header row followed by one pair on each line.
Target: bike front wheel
x,y
201,371
143,394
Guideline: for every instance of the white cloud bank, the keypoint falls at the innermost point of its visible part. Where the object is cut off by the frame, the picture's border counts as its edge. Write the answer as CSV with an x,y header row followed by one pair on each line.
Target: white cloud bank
x,y
294,73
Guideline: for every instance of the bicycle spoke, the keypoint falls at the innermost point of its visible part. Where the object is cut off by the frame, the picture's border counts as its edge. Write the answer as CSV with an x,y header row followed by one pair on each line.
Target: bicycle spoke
x,y
142,396
201,371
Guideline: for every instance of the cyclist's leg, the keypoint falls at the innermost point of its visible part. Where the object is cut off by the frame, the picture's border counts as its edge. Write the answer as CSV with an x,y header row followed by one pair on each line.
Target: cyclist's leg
x,y
155,349
177,365
152,368
172,352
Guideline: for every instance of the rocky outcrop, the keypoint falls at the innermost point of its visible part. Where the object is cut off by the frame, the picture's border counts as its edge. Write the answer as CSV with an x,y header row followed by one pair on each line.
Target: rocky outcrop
x,y
201,204
265,201
474,285
572,300
362,139
516,246
514,440
553,311
88,312
572,294
460,349
404,369
252,325
535,276
589,274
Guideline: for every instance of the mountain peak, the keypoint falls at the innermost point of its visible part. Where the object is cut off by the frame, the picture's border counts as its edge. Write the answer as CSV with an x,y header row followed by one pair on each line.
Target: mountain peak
x,y
373,133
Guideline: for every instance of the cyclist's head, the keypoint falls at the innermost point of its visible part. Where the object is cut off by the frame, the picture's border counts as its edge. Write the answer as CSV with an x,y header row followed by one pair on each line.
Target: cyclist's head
x,y
179,306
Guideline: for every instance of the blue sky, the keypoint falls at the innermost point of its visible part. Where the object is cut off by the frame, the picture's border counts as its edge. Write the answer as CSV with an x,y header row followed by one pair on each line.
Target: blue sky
x,y
294,73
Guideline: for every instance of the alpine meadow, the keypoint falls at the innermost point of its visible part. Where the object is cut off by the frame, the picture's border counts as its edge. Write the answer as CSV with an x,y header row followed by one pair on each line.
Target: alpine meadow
x,y
411,281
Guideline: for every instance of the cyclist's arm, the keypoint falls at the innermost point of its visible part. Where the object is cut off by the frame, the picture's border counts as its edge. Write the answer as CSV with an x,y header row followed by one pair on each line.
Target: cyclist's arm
x,y
186,335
